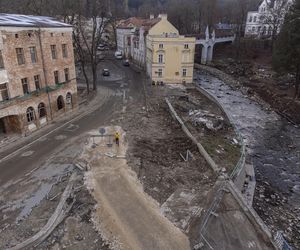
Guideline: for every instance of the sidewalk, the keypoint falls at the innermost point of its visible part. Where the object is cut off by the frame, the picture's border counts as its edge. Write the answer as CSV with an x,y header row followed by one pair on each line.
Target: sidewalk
x,y
11,145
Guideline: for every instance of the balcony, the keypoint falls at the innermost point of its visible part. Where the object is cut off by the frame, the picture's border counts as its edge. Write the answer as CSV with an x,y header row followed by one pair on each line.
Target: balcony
x,y
35,93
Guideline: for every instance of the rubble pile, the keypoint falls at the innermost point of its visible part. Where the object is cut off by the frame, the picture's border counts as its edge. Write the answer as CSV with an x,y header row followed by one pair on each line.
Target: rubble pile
x,y
204,118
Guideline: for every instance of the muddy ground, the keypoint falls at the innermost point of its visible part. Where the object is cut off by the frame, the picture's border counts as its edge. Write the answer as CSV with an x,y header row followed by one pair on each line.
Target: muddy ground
x,y
155,144
27,204
210,126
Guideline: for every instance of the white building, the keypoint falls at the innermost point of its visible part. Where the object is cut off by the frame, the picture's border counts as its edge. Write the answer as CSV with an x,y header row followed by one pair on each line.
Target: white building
x,y
131,37
270,15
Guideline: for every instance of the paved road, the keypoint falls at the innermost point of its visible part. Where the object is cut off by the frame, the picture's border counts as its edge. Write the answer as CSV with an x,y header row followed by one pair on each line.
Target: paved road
x,y
121,79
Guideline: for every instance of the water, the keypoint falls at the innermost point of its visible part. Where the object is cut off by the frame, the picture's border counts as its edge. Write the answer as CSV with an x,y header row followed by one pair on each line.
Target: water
x,y
272,143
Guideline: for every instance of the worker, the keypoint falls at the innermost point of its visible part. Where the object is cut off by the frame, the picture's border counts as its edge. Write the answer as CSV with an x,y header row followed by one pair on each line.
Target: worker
x,y
117,138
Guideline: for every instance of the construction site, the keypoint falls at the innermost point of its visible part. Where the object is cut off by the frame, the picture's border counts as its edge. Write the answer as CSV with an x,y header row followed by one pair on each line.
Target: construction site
x,y
170,184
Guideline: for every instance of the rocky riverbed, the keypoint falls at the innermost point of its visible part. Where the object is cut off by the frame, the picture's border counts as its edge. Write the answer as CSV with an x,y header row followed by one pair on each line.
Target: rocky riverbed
x,y
273,147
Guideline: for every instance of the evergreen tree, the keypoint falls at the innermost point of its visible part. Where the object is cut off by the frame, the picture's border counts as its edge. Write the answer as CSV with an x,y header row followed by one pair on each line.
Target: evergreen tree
x,y
286,56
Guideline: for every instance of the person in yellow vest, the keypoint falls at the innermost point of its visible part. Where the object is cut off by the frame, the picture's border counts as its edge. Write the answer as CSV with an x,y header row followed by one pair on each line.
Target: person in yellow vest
x,y
117,138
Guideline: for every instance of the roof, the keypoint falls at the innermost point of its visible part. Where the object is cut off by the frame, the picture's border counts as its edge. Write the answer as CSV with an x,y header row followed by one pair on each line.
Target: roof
x,y
137,22
15,20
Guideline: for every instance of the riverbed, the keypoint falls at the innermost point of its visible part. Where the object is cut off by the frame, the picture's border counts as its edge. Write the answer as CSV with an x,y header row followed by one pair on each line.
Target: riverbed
x,y
273,147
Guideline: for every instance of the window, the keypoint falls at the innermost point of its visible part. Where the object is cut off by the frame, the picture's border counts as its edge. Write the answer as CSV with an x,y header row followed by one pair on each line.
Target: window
x,y
16,36
30,114
33,54
37,82
258,29
184,72
186,46
253,29
69,98
159,72
60,103
185,57
4,91
64,51
1,61
161,46
254,19
20,56
160,58
51,34
25,86
66,74
250,19
53,52
56,77
42,110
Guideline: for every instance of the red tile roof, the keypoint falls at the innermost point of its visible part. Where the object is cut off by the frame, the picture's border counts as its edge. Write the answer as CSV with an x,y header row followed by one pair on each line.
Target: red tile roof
x,y
137,22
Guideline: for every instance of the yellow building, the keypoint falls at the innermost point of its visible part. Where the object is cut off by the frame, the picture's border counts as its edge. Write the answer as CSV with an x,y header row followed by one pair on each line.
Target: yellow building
x,y
170,56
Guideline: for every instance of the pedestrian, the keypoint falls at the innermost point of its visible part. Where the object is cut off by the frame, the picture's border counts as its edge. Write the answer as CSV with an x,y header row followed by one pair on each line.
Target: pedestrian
x,y
117,138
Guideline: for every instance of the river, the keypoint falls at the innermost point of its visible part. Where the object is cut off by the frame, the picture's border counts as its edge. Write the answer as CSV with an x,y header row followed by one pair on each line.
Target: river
x,y
273,147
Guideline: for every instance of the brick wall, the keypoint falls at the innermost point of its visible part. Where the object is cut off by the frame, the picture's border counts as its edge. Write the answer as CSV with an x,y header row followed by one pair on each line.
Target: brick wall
x,y
13,112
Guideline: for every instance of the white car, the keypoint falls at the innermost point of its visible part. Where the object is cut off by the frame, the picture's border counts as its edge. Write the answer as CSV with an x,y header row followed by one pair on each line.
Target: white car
x,y
118,55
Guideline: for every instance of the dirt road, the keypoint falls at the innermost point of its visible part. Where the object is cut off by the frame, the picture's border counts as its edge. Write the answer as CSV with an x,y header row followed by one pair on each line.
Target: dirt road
x,y
126,215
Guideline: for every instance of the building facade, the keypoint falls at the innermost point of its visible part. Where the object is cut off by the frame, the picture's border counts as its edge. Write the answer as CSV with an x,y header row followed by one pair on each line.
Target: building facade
x,y
155,45
269,16
169,56
37,72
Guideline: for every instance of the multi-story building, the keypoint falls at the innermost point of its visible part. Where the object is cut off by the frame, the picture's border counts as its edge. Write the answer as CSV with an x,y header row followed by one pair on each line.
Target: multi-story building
x,y
125,30
269,16
170,56
37,72
155,45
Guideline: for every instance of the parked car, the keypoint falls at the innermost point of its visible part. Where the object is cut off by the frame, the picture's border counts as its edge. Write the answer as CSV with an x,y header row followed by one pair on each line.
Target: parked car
x,y
102,47
126,63
118,55
105,72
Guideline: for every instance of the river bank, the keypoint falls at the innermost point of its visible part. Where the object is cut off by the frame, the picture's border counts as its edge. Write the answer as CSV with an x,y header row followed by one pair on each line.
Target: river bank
x,y
273,147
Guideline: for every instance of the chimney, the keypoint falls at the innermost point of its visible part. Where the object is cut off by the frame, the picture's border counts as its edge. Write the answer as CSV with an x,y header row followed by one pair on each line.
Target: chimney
x,y
163,16
151,16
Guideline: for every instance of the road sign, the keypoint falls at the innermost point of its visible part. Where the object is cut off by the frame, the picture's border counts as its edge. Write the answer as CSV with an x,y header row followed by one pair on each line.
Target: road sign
x,y
102,131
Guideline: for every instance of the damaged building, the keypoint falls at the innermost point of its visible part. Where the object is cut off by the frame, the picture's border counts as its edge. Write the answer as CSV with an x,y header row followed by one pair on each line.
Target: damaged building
x,y
37,72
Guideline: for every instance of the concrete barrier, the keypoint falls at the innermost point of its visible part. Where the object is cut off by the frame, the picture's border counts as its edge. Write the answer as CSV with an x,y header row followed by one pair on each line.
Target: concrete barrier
x,y
201,149
239,173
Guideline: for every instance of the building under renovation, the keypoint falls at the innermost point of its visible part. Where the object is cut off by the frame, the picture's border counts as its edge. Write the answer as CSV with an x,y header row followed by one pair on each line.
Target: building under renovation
x,y
37,72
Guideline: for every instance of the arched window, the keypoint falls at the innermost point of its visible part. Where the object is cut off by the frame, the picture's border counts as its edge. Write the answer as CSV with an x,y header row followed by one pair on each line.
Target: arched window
x,y
60,103
30,114
42,110
69,98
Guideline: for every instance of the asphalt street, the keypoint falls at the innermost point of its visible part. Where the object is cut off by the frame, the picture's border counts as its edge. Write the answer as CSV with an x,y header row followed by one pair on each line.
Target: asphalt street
x,y
125,82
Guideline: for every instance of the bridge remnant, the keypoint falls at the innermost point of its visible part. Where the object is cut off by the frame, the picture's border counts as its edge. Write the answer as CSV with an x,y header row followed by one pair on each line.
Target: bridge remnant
x,y
208,42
